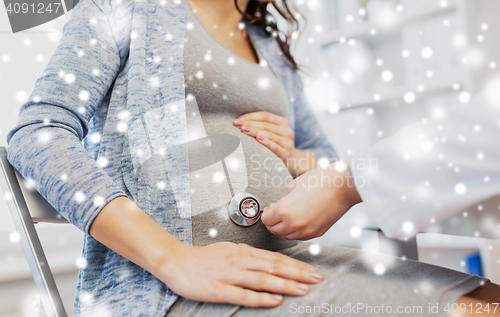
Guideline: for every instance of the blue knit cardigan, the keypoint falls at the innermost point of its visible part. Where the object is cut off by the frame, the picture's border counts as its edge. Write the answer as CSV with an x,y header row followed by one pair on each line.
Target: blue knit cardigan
x,y
70,135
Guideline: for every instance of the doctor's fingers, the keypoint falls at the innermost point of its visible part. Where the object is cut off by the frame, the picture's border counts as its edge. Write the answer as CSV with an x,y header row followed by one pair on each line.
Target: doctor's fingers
x,y
283,209
280,229
270,216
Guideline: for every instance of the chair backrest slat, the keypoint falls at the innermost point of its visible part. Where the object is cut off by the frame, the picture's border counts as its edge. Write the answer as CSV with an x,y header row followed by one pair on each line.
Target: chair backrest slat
x,y
24,202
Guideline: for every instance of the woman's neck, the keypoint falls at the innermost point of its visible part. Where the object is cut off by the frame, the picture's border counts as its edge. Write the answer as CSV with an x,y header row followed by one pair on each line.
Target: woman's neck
x,y
223,11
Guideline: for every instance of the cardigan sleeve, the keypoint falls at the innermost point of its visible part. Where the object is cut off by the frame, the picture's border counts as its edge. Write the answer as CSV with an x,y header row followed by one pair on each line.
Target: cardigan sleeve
x,y
308,133
45,145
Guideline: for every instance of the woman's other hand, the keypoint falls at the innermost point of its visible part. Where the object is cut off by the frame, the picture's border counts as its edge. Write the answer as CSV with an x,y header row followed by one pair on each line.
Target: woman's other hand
x,y
237,274
274,132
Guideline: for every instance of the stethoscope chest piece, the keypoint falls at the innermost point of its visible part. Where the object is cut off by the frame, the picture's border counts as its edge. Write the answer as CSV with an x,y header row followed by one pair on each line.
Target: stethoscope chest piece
x,y
244,209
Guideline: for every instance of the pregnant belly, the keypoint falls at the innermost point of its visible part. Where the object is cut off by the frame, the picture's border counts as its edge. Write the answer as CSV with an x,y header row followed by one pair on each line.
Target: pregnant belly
x,y
237,163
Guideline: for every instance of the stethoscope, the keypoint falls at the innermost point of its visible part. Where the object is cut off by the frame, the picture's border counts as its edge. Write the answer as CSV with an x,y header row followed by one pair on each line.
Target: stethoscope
x,y
244,209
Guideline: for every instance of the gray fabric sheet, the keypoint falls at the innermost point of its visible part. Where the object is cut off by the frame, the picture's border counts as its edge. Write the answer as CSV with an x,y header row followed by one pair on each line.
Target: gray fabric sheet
x,y
352,288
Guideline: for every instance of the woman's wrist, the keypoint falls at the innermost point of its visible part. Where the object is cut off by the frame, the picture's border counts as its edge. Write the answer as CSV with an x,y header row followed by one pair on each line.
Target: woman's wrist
x,y
301,162
349,190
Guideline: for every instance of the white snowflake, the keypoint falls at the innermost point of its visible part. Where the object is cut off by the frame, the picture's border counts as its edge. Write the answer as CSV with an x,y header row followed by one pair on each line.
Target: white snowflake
x,y
212,233
387,76
95,137
314,249
427,52
264,83
323,162
161,185
355,231
45,137
83,95
427,146
408,227
14,237
79,196
410,97
464,97
379,269
81,262
340,166
21,96
208,56
98,200
8,196
233,164
69,78
218,177
102,162
460,188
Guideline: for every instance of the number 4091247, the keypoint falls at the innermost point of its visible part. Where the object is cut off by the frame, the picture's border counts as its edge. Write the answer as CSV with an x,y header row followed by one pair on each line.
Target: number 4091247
x,y
478,308
30,8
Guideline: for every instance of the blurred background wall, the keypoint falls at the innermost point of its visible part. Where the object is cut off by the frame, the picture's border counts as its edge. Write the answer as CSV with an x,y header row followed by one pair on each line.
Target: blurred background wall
x,y
377,66
370,68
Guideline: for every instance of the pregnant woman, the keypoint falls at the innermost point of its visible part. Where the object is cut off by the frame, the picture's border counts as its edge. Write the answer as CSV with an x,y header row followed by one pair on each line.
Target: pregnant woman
x,y
147,85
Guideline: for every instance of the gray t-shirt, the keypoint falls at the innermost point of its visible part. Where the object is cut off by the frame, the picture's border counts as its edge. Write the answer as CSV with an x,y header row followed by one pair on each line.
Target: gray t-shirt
x,y
223,86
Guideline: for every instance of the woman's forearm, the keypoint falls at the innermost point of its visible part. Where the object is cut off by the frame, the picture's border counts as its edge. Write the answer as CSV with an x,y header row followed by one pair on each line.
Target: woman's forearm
x,y
130,232
302,162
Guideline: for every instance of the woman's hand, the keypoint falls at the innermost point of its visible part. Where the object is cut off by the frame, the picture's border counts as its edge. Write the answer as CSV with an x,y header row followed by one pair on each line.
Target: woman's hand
x,y
237,274
274,132
312,203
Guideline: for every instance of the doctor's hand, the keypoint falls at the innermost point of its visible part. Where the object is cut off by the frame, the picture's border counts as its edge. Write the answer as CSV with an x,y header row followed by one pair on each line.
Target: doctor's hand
x,y
274,132
237,274
312,203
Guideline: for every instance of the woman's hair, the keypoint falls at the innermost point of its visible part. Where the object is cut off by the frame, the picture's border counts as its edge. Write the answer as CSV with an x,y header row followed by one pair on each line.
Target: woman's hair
x,y
257,13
